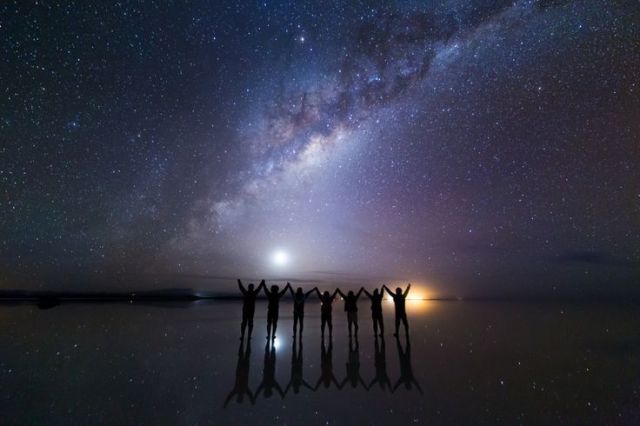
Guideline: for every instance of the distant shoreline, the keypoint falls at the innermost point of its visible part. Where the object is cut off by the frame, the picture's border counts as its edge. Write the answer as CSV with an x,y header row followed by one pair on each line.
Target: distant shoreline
x,y
178,295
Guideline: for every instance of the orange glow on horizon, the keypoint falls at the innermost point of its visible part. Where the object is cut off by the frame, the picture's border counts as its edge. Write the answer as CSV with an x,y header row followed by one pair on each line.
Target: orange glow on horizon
x,y
418,299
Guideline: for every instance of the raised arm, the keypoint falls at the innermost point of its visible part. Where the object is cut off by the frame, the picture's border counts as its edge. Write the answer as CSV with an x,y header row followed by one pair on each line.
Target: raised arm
x,y
310,291
318,293
340,293
241,287
262,286
407,290
333,296
292,295
367,293
284,290
387,290
359,293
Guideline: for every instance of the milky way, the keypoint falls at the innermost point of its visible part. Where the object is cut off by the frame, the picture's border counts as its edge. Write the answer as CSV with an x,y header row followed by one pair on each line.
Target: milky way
x,y
474,148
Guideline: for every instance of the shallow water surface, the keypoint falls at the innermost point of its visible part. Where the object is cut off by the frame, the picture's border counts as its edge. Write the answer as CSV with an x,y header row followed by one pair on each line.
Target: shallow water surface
x,y
180,363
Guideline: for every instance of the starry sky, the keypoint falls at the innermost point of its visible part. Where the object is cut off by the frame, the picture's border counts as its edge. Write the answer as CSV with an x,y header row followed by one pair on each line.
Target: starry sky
x,y
476,148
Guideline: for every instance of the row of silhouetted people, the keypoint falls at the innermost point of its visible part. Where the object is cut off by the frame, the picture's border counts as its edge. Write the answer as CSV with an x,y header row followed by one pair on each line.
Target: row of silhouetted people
x,y
274,294
269,384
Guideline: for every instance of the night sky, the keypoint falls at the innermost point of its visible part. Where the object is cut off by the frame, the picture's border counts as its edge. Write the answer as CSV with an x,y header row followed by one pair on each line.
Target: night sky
x,y
474,148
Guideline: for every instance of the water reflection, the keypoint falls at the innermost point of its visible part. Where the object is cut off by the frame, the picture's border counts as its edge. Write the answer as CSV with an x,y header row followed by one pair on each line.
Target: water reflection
x,y
269,382
353,365
380,364
241,386
297,380
326,367
406,369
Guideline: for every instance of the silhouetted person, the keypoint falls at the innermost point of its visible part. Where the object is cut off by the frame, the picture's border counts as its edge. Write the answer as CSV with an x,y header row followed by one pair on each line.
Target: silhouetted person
x,y
269,382
325,310
380,363
297,380
298,307
248,306
353,365
241,386
326,367
406,370
351,308
273,296
401,312
376,310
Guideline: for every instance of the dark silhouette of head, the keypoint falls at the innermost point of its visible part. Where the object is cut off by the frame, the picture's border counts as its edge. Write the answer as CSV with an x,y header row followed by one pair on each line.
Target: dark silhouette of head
x,y
250,287
299,290
399,291
275,288
350,294
375,292
326,294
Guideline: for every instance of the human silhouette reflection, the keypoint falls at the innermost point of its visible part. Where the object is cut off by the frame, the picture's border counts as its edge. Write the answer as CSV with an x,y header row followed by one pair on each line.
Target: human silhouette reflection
x,y
406,370
248,306
353,366
326,367
269,382
299,297
273,296
297,380
241,386
380,362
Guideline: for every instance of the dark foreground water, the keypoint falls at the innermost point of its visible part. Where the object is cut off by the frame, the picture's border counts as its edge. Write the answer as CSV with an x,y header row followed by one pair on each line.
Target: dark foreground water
x,y
466,363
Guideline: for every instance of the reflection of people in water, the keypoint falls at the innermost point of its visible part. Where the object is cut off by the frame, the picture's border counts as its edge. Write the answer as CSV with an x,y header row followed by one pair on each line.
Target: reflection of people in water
x,y
401,312
248,306
273,296
353,366
325,311
406,370
351,308
269,382
241,386
376,310
326,367
380,362
298,307
297,380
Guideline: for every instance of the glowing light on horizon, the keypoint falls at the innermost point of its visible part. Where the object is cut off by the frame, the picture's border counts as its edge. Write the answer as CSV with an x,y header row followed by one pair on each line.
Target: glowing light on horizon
x,y
418,300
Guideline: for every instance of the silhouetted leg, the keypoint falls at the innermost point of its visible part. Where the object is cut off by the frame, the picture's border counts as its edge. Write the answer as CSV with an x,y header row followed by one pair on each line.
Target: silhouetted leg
x,y
243,326
397,325
269,321
375,326
323,322
250,326
406,324
301,325
330,323
275,325
295,324
381,326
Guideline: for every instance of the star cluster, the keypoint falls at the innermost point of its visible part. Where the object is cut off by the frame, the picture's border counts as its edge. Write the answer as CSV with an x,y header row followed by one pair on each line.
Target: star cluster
x,y
477,148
